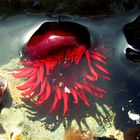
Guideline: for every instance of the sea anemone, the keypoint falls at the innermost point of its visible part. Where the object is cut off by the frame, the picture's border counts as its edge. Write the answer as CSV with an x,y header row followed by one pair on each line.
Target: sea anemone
x,y
59,61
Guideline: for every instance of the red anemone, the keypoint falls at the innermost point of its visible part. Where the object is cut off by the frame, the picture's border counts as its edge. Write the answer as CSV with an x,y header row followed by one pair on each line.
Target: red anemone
x,y
61,63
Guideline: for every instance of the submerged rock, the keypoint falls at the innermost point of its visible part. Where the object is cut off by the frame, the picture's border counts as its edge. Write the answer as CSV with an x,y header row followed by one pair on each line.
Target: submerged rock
x,y
35,4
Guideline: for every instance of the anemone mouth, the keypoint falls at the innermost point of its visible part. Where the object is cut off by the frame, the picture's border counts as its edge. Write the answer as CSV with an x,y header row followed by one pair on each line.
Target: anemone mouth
x,y
61,63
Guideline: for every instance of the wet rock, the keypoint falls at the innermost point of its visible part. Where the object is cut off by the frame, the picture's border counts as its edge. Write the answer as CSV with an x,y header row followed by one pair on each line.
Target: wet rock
x,y
36,4
16,3
2,131
3,88
128,4
132,134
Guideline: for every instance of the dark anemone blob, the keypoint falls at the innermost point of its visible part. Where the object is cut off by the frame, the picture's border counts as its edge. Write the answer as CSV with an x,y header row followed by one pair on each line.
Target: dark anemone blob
x,y
54,37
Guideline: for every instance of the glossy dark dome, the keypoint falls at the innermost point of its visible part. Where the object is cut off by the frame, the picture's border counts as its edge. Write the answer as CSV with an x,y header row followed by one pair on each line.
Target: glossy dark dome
x,y
54,36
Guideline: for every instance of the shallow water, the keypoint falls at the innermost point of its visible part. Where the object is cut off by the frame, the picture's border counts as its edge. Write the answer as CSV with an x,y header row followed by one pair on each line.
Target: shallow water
x,y
104,117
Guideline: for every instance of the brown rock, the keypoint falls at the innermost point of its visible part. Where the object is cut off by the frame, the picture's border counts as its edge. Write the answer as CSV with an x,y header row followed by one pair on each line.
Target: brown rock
x,y
3,88
132,134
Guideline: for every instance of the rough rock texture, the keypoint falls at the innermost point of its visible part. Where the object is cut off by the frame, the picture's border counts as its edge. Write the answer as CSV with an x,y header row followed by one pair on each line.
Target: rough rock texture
x,y
78,7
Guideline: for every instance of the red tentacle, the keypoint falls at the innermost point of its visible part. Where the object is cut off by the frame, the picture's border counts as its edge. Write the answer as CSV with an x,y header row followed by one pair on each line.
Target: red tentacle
x,y
94,87
42,90
99,54
89,90
98,59
87,76
33,86
83,97
55,102
28,84
41,69
46,95
28,63
88,57
93,72
74,94
27,93
23,74
58,92
65,99
101,68
104,77
79,86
